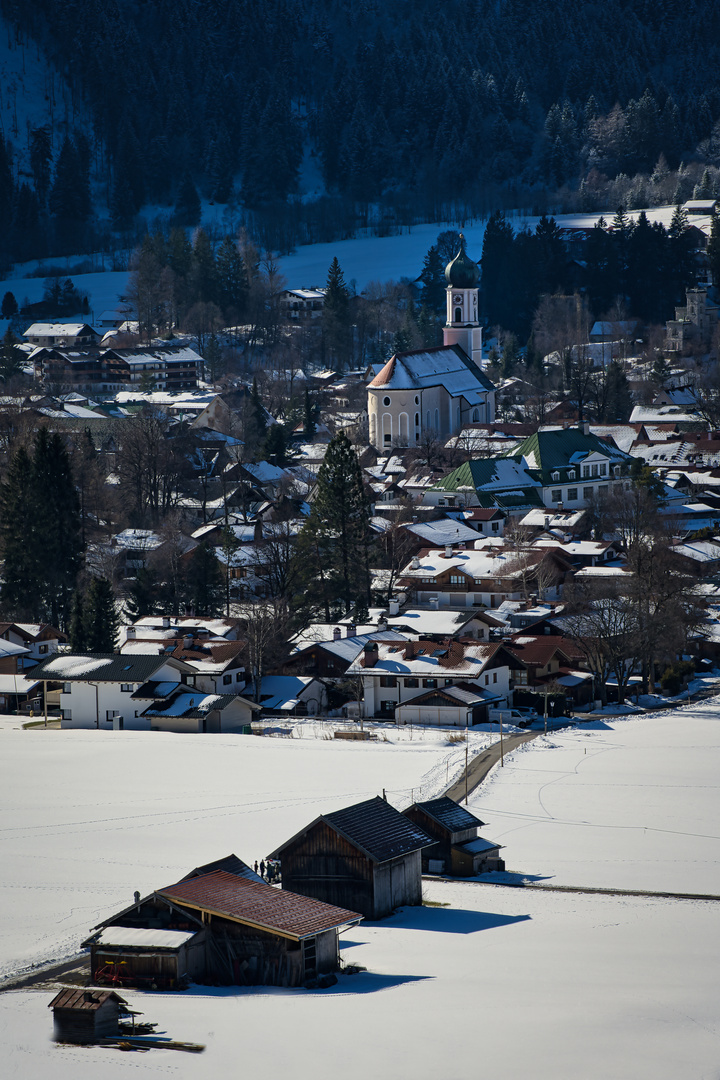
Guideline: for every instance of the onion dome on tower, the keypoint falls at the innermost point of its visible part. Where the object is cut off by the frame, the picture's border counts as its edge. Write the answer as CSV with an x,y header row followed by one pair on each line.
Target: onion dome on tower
x,y
461,272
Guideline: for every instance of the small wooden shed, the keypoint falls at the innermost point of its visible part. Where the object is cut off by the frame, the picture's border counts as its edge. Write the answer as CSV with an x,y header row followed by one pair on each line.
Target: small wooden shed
x,y
458,850
366,857
146,957
82,1016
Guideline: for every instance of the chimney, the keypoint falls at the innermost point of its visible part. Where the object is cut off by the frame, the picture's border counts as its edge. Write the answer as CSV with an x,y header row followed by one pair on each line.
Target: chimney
x,y
586,428
559,508
166,620
188,641
382,623
547,521
414,563
351,630
337,633
130,633
434,603
448,551
394,607
370,654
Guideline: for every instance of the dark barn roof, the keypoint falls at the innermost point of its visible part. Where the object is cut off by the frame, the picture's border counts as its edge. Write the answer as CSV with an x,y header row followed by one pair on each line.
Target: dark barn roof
x,y
447,813
231,864
378,829
256,904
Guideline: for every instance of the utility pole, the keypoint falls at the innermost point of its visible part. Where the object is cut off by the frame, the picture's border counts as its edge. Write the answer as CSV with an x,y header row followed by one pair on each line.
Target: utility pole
x,y
467,728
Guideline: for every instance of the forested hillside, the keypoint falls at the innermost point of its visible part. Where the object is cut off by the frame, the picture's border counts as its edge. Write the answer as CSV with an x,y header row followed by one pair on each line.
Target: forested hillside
x,y
410,103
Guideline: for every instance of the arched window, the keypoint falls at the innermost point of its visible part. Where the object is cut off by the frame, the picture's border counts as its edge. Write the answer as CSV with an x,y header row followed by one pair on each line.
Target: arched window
x,y
417,419
427,422
403,429
437,420
476,416
458,314
387,429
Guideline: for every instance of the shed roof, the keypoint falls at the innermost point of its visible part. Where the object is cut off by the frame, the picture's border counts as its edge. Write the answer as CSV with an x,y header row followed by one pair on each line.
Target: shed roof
x,y
379,830
231,864
135,937
448,814
256,904
78,997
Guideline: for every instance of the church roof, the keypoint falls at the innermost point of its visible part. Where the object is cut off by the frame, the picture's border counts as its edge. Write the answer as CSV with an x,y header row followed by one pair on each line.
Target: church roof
x,y
447,366
461,272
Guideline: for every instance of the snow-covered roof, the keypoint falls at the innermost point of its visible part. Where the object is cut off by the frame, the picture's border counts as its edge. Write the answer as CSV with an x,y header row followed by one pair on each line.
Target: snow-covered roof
x,y
447,366
443,532
130,937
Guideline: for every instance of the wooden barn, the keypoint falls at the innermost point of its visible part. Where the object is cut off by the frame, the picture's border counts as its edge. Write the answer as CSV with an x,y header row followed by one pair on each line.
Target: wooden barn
x,y
458,850
82,1016
366,857
219,927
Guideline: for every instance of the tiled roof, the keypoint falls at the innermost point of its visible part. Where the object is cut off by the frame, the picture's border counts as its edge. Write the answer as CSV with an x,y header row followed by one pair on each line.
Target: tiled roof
x,y
259,905
378,829
448,814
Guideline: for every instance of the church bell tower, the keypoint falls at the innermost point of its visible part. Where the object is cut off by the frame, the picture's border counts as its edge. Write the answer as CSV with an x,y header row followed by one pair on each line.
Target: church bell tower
x,y
462,326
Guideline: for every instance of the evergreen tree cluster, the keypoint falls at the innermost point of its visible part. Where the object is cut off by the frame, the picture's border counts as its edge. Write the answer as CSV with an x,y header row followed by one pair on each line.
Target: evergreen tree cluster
x,y
40,533
429,100
644,266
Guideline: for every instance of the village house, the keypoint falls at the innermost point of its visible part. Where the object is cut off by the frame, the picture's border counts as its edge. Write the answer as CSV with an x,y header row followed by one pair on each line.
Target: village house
x,y
458,850
220,927
557,467
434,392
301,305
367,855
70,335
398,676
289,695
100,691
108,371
464,578
219,665
178,708
693,324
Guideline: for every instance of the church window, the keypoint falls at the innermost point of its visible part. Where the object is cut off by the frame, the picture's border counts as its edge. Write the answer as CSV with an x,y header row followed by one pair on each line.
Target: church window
x,y
437,420
417,399
458,314
386,401
476,416
417,419
427,423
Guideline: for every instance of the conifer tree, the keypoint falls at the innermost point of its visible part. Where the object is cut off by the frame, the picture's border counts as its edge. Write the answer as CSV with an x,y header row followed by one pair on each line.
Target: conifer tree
x,y
143,595
187,204
204,581
432,276
336,317
78,640
21,588
100,618
232,282
9,306
335,542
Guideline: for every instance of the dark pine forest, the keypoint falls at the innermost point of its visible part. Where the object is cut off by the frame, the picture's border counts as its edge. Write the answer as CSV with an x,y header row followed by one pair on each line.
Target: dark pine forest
x,y
410,105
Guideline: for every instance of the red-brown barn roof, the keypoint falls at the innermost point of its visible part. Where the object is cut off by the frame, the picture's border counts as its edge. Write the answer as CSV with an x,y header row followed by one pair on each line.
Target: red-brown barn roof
x,y
88,1000
257,904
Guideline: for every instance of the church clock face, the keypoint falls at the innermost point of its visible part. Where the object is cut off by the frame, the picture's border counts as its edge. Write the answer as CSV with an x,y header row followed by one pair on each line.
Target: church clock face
x,y
457,299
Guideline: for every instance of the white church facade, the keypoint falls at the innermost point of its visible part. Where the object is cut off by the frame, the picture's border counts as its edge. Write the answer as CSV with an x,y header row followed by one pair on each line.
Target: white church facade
x,y
437,390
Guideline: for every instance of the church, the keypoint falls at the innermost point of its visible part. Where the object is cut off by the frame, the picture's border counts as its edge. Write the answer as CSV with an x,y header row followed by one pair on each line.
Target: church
x,y
437,390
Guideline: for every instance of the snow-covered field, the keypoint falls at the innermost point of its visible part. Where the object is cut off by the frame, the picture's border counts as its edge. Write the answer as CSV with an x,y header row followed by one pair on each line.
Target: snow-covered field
x,y
501,982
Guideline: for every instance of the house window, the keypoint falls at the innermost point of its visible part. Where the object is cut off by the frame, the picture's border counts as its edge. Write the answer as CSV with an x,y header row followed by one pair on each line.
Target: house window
x,y
588,493
555,476
430,684
571,474
595,468
388,706
556,495
67,688
457,579
495,525
572,494
603,468
494,676
239,676
110,713
43,649
521,677
227,679
411,684
487,679
616,470
388,680
126,688
586,471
